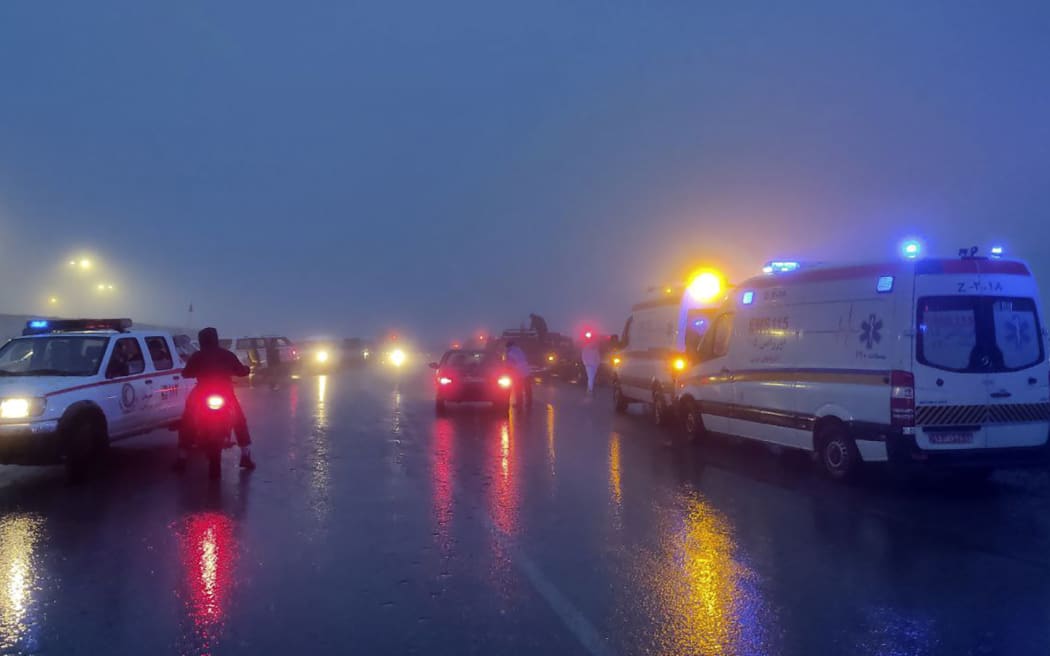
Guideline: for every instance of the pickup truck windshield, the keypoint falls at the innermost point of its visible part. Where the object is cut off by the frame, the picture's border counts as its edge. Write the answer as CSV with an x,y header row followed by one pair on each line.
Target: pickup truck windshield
x,y
61,355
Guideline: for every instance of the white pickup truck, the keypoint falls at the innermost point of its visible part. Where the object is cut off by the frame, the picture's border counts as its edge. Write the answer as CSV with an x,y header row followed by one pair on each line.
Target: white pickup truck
x,y
68,388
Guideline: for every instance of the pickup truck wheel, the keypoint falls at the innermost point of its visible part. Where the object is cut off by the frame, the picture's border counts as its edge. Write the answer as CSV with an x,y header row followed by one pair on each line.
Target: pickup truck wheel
x,y
85,443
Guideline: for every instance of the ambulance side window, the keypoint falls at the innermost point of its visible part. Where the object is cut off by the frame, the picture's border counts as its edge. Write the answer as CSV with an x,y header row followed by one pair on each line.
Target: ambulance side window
x,y
723,331
715,343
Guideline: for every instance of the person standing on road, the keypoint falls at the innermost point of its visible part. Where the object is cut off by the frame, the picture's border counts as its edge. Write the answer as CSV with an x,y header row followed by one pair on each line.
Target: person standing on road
x,y
519,365
591,357
214,368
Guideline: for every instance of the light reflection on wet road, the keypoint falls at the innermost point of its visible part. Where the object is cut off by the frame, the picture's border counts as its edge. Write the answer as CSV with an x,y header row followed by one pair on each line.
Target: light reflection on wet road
x,y
373,526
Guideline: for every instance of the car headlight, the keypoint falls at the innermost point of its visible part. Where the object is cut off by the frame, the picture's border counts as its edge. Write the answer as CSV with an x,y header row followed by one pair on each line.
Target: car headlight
x,y
322,356
397,357
505,382
21,407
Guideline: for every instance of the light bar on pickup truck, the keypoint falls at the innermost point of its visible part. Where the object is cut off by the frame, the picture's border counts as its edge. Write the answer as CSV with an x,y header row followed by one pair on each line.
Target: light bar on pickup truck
x,y
46,326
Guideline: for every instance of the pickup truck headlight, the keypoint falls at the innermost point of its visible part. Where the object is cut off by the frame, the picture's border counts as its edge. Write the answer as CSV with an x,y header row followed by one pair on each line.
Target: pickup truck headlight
x,y
21,407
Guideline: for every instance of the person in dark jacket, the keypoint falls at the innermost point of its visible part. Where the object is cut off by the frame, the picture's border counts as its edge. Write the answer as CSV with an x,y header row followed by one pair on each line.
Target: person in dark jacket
x,y
214,368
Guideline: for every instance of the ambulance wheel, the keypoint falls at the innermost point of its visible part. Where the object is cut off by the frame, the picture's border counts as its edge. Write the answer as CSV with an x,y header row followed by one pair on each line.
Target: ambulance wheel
x,y
692,421
661,413
838,453
619,400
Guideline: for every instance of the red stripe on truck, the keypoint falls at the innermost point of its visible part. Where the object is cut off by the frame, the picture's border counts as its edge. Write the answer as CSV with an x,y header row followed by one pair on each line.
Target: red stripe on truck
x,y
115,381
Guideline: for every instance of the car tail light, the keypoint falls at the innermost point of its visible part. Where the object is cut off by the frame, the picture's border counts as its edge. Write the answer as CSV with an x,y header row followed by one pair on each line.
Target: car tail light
x,y
504,382
902,398
215,402
444,380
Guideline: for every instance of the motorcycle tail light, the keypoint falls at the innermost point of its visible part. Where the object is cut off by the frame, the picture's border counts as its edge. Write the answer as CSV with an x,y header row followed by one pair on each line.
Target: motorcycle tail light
x,y
215,402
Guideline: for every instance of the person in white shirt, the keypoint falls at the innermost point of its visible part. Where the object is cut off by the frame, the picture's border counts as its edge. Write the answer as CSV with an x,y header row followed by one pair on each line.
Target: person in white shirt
x,y
591,357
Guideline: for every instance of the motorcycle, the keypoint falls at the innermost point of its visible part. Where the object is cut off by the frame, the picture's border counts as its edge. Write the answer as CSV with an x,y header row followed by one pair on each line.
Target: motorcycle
x,y
213,427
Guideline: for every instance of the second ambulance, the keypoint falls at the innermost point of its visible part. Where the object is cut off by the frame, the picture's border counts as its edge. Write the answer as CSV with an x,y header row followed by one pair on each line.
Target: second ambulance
x,y
922,361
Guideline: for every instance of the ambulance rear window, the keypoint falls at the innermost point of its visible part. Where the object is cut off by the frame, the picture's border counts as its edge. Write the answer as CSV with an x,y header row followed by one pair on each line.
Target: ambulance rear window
x,y
985,334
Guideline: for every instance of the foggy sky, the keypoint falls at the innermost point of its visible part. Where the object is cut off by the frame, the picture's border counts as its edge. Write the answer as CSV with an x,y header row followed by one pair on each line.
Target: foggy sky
x,y
444,167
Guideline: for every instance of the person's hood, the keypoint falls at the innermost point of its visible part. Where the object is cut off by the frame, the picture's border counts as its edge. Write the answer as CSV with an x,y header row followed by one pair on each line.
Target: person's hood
x,y
208,338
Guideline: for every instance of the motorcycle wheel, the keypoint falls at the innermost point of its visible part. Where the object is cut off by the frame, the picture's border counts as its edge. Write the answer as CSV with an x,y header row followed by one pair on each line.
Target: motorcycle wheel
x,y
214,464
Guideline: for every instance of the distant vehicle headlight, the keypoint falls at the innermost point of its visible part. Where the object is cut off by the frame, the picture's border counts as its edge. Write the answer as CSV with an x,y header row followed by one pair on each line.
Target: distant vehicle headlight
x,y
397,357
20,408
322,356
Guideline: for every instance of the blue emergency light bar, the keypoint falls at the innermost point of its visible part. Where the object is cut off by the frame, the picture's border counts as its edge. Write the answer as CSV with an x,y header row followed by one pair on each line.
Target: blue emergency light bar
x,y
44,326
780,266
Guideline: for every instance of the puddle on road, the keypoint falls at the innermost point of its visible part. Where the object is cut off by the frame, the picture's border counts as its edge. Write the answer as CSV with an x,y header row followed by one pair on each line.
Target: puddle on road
x,y
20,614
208,553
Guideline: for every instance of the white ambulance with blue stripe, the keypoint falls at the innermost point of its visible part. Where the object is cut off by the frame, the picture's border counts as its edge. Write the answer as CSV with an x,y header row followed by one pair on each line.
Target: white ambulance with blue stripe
x,y
935,362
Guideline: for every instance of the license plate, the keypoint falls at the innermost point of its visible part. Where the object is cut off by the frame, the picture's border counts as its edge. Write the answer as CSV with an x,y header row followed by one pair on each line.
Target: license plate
x,y
473,380
951,437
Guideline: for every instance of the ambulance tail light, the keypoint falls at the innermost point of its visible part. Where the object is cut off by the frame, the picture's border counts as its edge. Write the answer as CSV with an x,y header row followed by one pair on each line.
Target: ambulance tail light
x,y
902,399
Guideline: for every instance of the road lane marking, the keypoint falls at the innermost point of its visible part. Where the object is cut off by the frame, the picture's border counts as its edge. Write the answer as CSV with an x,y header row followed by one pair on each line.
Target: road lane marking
x,y
571,617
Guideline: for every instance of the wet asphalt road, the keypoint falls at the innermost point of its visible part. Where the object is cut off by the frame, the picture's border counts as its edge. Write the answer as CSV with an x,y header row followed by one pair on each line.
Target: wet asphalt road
x,y
373,527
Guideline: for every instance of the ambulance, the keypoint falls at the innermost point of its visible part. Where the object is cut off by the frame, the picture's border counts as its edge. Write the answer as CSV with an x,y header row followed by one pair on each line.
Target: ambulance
x,y
659,342
930,362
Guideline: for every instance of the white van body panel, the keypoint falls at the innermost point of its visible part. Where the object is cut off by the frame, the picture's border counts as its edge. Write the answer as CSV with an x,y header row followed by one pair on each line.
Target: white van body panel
x,y
823,344
656,334
998,407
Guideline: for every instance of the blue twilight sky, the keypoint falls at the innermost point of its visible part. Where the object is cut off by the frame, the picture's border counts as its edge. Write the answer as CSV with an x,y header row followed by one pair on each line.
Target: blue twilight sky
x,y
345,167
